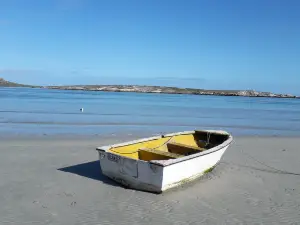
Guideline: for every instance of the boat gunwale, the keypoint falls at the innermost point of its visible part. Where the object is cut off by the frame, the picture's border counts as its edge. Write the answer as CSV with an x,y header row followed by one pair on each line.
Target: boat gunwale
x,y
178,160
108,147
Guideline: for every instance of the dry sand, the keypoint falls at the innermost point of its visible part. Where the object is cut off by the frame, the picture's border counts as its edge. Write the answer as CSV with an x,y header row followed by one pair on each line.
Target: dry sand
x,y
57,181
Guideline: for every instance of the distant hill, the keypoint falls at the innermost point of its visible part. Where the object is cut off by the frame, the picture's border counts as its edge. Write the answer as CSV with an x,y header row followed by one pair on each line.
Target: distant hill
x,y
4,83
155,89
171,90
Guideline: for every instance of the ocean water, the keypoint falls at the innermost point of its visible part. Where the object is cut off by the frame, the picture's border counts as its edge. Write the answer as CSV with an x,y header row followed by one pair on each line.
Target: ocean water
x,y
25,111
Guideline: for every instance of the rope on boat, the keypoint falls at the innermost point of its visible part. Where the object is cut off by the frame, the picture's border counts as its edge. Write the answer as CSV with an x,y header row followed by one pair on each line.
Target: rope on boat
x,y
164,143
270,167
208,138
258,161
125,153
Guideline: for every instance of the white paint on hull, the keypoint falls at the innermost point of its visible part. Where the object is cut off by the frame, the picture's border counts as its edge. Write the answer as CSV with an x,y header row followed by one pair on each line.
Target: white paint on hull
x,y
132,173
188,170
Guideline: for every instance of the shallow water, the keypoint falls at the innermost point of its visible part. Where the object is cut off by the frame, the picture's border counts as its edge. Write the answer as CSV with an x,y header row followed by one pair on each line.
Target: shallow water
x,y
26,111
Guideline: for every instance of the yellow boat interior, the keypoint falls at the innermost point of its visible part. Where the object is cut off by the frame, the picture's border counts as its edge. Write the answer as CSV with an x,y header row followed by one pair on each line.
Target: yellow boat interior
x,y
171,147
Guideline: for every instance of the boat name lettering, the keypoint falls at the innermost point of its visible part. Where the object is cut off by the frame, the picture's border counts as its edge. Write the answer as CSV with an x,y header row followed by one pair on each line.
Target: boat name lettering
x,y
113,157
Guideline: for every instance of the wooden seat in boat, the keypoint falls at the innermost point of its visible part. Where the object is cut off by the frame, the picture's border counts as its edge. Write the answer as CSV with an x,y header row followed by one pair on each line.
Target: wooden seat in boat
x,y
183,149
153,154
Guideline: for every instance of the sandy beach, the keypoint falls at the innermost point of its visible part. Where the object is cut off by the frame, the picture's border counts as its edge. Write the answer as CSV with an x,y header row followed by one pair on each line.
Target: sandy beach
x,y
57,181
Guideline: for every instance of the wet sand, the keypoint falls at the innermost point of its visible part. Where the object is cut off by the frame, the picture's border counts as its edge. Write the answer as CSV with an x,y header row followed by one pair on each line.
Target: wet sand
x,y
57,181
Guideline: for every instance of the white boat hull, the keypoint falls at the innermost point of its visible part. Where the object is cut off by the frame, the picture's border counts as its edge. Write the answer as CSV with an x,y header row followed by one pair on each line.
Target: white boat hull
x,y
158,176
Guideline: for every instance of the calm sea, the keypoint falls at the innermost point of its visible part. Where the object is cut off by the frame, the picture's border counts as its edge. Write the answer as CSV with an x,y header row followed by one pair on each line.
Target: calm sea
x,y
25,111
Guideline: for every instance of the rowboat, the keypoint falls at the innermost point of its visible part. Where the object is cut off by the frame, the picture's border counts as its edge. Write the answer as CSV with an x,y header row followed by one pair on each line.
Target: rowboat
x,y
159,163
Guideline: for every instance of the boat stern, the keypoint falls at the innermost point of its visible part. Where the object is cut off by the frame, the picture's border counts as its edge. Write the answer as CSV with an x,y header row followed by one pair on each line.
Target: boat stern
x,y
131,173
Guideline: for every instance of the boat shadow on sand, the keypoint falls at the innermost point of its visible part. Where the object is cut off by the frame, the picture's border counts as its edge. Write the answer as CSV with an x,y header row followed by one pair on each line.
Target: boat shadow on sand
x,y
91,170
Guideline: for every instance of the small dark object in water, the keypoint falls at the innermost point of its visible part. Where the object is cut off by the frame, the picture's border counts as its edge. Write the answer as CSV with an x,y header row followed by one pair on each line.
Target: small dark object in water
x,y
81,110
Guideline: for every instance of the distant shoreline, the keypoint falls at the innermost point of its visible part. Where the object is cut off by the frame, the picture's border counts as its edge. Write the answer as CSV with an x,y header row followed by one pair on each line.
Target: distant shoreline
x,y
154,89
169,90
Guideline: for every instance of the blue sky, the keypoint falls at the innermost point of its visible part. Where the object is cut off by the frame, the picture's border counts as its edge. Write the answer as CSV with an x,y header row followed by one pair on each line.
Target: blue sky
x,y
212,44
